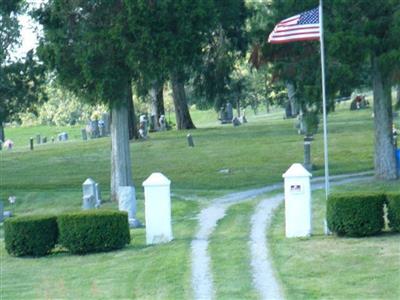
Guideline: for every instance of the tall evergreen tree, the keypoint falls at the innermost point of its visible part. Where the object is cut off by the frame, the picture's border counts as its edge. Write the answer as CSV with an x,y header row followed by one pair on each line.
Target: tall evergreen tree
x,y
292,64
82,43
213,79
361,42
169,38
367,33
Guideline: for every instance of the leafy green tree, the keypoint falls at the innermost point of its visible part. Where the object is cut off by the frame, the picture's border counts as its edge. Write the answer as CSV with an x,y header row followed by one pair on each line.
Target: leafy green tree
x,y
366,33
169,38
62,108
297,65
9,27
292,64
214,78
361,43
84,44
21,87
20,82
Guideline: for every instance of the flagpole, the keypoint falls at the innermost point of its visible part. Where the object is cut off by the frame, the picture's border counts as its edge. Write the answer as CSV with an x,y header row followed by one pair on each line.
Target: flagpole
x,y
324,102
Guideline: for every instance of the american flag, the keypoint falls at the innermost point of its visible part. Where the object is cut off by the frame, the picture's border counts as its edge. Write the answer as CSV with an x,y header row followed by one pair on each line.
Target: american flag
x,y
302,27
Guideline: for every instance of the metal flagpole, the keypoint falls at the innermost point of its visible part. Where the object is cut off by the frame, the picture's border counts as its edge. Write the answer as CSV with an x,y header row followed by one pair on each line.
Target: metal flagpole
x,y
324,101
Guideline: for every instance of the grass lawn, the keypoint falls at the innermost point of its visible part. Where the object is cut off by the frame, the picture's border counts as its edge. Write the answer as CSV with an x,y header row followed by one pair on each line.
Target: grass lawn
x,y
137,271
256,154
230,255
49,179
329,267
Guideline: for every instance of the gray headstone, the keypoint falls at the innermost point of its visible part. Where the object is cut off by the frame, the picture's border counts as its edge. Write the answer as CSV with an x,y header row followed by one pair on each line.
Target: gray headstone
x,y
143,127
153,122
1,211
229,111
221,114
190,140
44,140
236,122
106,120
38,139
94,129
243,118
307,154
89,202
102,130
8,144
97,194
63,136
127,202
163,125
84,134
7,214
89,194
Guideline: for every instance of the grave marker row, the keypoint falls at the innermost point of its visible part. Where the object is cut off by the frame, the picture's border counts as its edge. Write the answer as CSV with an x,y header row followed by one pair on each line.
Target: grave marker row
x,y
157,205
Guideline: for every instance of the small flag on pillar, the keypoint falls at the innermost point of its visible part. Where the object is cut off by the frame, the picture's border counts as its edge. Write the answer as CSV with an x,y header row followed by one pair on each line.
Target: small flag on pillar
x,y
302,27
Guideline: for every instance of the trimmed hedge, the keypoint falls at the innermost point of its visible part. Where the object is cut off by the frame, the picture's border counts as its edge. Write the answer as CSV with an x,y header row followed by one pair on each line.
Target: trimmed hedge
x,y
393,205
30,235
93,231
355,214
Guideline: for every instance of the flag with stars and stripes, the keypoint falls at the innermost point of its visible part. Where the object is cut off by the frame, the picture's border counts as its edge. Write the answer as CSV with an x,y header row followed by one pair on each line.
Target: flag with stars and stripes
x,y
302,27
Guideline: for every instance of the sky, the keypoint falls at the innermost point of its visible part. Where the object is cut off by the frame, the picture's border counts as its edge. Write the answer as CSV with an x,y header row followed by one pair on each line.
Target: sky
x,y
29,32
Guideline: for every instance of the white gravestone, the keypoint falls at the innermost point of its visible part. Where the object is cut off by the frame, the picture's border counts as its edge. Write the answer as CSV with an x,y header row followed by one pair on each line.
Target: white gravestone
x,y
297,201
127,202
89,194
143,127
8,144
157,209
97,195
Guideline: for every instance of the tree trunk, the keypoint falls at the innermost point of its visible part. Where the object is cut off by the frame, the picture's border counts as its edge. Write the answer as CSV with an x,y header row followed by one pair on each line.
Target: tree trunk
x,y
183,119
2,135
132,127
292,98
121,174
238,106
398,96
385,161
267,105
267,101
160,99
155,115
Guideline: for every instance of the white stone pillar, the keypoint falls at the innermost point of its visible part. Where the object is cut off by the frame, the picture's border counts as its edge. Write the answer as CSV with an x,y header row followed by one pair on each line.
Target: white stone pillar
x,y
157,209
297,201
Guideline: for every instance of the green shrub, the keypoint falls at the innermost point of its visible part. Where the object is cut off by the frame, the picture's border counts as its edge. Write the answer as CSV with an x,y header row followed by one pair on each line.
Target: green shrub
x,y
93,231
393,204
355,214
30,235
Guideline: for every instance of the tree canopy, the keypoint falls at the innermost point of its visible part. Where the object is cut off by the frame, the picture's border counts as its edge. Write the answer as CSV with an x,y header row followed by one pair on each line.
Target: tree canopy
x,y
361,44
20,81
214,79
366,34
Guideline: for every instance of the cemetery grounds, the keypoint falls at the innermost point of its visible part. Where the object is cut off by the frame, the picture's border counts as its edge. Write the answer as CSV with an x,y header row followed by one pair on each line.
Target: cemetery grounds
x,y
224,160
